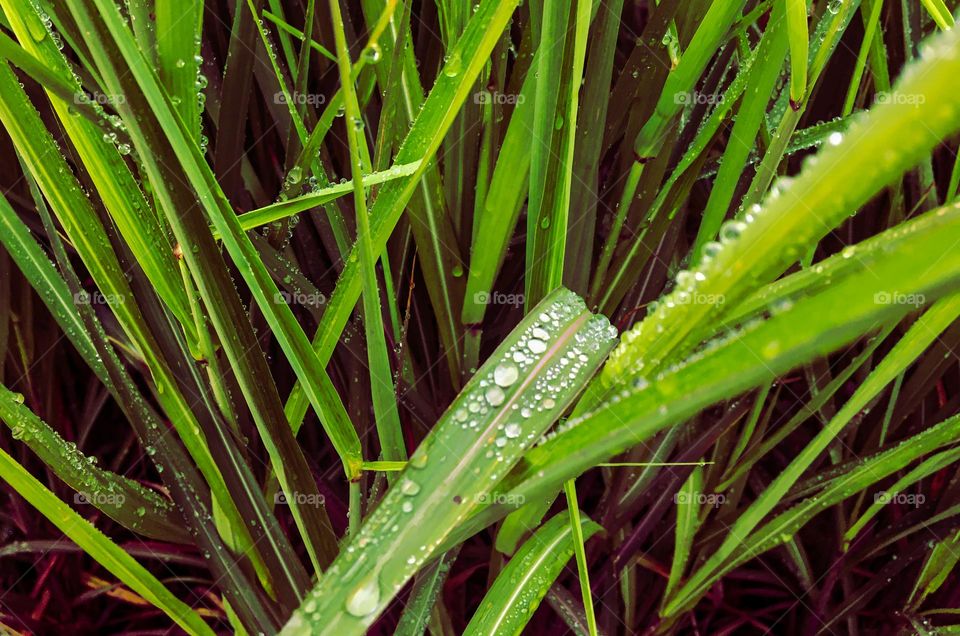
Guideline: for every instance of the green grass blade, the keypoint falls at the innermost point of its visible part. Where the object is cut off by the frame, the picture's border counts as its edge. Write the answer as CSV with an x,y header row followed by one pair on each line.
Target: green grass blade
x,y
796,19
97,545
521,586
124,500
787,227
101,154
546,210
518,392
181,476
573,508
712,29
688,521
291,207
421,143
750,117
424,596
858,477
940,13
747,359
157,133
904,353
178,25
381,376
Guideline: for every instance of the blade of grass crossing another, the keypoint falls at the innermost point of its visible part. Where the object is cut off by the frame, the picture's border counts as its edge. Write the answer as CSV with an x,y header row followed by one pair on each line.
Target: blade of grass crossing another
x,y
101,548
519,391
124,500
381,377
916,259
157,132
454,83
754,251
913,343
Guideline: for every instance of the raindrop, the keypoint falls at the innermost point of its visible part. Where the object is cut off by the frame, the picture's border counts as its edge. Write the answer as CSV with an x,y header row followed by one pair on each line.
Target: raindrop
x,y
494,396
505,374
372,53
536,345
363,600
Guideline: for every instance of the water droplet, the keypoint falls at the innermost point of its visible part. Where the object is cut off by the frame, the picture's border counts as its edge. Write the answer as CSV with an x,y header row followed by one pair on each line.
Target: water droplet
x,y
536,345
512,431
495,396
364,599
419,460
409,487
505,374
731,230
372,53
452,67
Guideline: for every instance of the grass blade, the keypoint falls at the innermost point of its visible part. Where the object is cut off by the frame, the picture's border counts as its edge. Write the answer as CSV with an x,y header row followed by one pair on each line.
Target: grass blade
x,y
518,392
518,590
97,545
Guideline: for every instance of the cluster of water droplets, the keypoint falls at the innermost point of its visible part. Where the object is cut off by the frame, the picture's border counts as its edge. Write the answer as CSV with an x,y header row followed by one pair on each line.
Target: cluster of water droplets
x,y
494,418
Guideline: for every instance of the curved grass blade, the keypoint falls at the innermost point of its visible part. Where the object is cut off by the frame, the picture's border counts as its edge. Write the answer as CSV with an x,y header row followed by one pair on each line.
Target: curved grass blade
x,y
125,501
97,545
913,343
520,390
518,590
920,262
797,215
